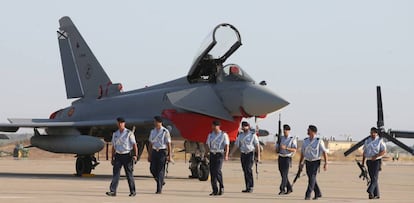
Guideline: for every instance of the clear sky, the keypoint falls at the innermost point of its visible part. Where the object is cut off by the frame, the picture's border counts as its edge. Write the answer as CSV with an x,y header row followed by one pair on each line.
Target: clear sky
x,y
324,57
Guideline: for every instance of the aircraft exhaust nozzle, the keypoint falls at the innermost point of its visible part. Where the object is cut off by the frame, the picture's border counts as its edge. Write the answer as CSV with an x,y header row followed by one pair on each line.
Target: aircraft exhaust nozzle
x,y
259,101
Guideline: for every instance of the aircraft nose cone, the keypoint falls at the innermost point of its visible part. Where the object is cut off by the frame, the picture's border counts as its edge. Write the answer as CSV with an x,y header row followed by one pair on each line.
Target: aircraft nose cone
x,y
258,101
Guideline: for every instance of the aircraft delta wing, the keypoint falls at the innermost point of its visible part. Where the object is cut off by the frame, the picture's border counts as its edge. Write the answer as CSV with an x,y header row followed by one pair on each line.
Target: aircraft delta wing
x,y
211,90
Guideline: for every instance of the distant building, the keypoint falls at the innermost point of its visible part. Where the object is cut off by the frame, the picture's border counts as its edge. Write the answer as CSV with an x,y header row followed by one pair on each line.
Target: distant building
x,y
341,145
333,146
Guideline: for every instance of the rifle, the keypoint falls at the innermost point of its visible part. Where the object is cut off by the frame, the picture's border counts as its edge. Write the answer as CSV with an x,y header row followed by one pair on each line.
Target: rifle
x,y
256,158
166,169
364,172
279,135
298,173
256,161
132,152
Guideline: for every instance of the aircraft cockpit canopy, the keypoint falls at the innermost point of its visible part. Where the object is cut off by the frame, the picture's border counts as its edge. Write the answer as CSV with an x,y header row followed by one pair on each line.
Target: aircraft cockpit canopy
x,y
233,72
219,45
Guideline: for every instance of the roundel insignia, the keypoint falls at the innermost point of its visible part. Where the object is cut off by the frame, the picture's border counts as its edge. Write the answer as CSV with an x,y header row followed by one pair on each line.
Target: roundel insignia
x,y
71,111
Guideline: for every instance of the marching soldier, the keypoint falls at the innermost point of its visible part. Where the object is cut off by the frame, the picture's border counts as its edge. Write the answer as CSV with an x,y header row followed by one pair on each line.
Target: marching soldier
x,y
287,149
312,149
374,150
159,143
123,143
247,142
218,144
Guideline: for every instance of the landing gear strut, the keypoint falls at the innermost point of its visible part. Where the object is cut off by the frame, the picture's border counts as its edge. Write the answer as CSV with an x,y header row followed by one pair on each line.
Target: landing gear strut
x,y
199,165
85,164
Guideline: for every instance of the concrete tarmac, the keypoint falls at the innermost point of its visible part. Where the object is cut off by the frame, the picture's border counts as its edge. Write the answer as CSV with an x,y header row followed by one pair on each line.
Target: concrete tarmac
x,y
52,180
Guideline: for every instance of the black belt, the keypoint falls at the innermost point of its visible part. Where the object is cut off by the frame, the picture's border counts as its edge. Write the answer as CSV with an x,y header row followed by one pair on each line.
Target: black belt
x,y
313,160
247,152
157,150
374,160
214,153
122,154
285,157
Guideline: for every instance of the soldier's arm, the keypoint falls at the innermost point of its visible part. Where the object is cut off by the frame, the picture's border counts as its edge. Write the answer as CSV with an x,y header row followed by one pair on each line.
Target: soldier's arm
x,y
291,149
325,158
301,159
207,146
207,149
169,146
169,151
383,149
135,154
227,146
381,153
363,159
112,155
226,151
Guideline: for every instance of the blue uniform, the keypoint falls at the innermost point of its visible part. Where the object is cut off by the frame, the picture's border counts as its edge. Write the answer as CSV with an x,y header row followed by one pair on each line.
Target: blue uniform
x,y
312,151
247,143
373,147
159,139
216,143
123,144
284,162
289,142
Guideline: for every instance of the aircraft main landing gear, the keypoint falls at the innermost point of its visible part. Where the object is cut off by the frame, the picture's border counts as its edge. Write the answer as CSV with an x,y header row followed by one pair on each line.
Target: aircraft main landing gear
x,y
85,164
199,165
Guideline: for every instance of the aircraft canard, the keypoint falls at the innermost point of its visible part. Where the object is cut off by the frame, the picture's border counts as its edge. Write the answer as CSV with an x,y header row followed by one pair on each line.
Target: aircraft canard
x,y
202,100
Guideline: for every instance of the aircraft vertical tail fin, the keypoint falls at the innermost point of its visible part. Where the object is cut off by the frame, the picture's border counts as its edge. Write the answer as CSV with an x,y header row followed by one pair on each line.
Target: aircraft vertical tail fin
x,y
84,76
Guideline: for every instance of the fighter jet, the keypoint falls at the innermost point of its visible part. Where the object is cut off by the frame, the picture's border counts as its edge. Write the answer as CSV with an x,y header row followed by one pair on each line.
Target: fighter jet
x,y
210,90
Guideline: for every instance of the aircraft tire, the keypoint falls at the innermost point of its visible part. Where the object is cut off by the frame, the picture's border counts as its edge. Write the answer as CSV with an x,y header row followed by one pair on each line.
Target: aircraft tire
x,y
194,173
194,166
83,165
203,172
